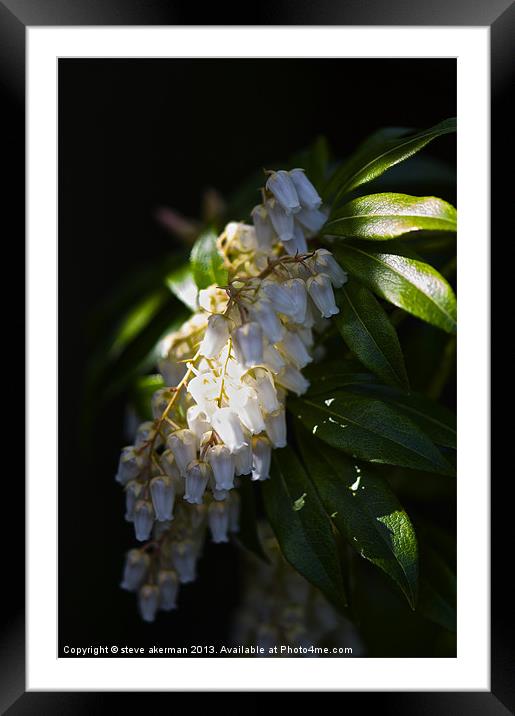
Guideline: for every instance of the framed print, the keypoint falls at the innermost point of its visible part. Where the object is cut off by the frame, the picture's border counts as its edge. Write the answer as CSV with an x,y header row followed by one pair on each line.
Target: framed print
x,y
254,430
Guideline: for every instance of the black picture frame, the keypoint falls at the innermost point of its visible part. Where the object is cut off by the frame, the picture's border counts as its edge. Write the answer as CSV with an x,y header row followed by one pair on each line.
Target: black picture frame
x,y
15,16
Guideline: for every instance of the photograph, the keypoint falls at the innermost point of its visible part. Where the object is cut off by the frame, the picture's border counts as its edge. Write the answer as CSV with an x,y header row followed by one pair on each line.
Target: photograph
x,y
257,314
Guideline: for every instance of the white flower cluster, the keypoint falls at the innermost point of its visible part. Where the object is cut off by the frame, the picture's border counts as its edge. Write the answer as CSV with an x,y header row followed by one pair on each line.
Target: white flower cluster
x,y
228,371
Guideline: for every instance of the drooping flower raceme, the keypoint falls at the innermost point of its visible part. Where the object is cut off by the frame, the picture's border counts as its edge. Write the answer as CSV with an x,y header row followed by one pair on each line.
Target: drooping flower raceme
x,y
227,371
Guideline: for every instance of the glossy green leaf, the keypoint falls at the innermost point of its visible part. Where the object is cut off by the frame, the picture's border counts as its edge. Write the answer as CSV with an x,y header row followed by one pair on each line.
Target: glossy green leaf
x,y
406,282
379,152
206,261
367,331
181,283
334,374
380,217
434,419
304,531
437,600
365,511
368,429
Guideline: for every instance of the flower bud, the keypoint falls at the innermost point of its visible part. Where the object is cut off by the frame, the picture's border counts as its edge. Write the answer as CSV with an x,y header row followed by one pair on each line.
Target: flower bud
x,y
263,312
248,344
321,291
261,381
276,428
297,244
312,220
198,421
183,444
282,187
168,589
222,465
143,519
297,290
264,230
163,495
184,556
227,425
262,457
325,262
243,460
273,359
197,477
280,297
215,337
130,465
294,349
282,222
306,192
132,492
293,380
218,518
148,602
135,570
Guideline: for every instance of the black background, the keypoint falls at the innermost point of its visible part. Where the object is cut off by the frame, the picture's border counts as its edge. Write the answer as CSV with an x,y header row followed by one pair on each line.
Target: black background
x,y
135,135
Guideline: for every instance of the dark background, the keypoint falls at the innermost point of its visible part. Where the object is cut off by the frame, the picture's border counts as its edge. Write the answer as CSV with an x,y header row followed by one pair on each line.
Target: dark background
x,y
135,135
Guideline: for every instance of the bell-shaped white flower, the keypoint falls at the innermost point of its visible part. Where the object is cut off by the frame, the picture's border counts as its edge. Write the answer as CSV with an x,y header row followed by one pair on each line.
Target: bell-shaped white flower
x,y
198,421
213,300
184,556
130,465
273,359
263,227
283,223
162,491
197,477
169,465
325,262
135,570
222,464
143,519
321,291
311,219
296,287
216,335
262,457
265,314
168,584
262,382
248,344
228,426
298,244
218,519
171,371
183,444
282,187
306,192
148,602
205,389
293,380
147,430
280,298
245,403
294,349
243,459
241,236
276,428
132,494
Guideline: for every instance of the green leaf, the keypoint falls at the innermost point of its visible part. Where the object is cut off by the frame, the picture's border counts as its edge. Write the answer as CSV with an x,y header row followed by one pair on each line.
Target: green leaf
x,y
333,374
305,535
365,511
206,262
434,419
367,331
182,284
380,217
379,152
437,600
369,429
248,535
406,282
